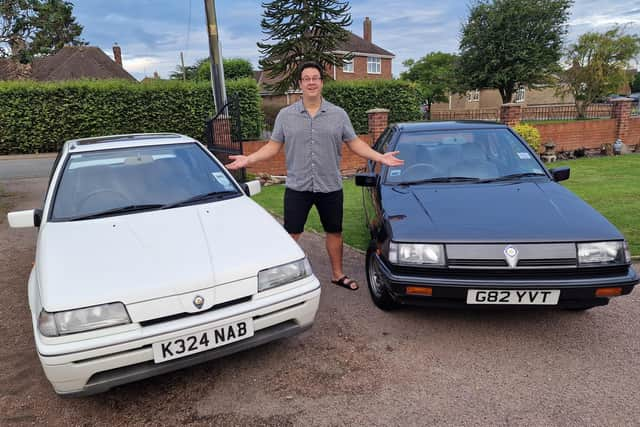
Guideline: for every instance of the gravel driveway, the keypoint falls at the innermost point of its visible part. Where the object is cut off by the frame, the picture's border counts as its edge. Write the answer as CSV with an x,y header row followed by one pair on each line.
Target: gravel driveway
x,y
356,366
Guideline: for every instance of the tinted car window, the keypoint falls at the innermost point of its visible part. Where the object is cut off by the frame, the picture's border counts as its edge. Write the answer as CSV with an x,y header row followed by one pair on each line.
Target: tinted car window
x,y
479,154
97,181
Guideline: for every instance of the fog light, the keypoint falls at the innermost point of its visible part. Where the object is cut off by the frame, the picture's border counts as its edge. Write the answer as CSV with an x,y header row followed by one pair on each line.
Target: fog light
x,y
608,292
419,290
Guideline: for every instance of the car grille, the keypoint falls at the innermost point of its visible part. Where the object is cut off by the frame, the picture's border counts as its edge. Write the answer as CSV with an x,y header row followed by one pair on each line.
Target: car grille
x,y
497,263
183,315
508,273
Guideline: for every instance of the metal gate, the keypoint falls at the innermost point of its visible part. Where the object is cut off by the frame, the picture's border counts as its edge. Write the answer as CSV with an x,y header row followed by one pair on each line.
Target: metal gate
x,y
224,134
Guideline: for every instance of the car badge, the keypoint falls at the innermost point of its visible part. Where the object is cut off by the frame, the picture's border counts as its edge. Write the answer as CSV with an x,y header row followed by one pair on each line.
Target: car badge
x,y
198,301
511,256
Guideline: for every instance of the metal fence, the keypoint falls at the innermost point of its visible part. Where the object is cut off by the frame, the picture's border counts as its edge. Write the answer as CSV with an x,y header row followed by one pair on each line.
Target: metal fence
x,y
489,114
224,134
565,112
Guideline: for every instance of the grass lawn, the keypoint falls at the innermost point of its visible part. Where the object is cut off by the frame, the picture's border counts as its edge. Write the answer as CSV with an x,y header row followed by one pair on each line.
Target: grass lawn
x,y
353,228
609,184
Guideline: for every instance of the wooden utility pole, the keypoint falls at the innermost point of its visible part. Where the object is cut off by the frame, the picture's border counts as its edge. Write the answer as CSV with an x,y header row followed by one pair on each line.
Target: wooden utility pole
x,y
184,72
217,72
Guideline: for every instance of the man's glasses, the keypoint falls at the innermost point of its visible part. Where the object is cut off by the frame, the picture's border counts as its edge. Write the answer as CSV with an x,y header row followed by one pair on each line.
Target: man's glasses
x,y
311,79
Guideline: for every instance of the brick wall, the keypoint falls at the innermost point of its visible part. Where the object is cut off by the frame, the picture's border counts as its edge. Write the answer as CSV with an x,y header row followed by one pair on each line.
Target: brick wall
x,y
633,137
276,165
569,136
360,70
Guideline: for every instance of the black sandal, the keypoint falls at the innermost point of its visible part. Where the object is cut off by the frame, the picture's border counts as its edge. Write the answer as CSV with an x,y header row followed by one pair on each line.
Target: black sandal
x,y
346,282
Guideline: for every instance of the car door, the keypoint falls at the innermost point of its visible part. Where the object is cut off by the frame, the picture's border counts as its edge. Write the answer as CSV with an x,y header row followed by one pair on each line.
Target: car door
x,y
371,195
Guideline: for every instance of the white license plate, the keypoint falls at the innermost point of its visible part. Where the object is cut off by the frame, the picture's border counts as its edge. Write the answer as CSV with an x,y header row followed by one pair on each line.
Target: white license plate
x,y
513,297
202,341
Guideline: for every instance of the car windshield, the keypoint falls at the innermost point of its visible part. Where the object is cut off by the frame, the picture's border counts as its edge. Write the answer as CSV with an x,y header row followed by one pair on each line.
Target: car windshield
x,y
111,182
476,155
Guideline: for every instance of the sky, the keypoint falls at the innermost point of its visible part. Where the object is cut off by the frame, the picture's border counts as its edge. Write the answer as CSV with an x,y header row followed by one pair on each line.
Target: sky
x,y
152,33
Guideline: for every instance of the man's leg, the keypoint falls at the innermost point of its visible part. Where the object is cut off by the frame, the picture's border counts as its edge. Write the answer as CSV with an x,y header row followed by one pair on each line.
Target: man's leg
x,y
297,205
333,242
330,209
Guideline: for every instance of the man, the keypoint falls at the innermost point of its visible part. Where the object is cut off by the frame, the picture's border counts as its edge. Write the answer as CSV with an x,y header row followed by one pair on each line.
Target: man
x,y
312,131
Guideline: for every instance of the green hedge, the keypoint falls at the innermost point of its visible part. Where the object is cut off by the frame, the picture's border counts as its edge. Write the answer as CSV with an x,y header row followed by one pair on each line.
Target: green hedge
x,y
39,117
356,97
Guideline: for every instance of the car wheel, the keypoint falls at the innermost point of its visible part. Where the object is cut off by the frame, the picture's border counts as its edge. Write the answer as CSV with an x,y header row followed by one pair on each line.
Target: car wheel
x,y
379,293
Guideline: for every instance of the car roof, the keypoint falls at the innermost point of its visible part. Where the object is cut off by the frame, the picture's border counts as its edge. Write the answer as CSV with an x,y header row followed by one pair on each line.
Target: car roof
x,y
125,141
446,125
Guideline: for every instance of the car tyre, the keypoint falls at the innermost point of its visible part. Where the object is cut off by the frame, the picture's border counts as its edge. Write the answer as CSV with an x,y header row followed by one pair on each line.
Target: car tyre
x,y
379,293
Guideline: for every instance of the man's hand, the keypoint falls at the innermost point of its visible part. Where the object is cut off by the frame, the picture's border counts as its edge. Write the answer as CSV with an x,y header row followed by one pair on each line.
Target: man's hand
x,y
390,159
239,162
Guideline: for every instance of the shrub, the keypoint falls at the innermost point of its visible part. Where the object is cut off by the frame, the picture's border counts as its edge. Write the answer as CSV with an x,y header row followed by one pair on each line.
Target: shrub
x,y
358,96
39,117
530,134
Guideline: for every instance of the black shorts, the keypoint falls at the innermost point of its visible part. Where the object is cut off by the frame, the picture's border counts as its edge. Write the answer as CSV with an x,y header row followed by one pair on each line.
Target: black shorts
x,y
297,205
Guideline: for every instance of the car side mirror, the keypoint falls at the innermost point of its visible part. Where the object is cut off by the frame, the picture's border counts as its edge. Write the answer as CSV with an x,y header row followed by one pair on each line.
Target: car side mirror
x,y
560,174
24,219
367,179
251,188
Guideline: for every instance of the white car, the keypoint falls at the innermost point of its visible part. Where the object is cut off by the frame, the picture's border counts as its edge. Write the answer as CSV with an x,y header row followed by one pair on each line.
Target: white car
x,y
150,258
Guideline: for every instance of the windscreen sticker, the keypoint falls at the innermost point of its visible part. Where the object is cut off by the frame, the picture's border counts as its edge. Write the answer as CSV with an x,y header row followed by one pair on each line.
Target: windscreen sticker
x,y
524,156
219,176
395,172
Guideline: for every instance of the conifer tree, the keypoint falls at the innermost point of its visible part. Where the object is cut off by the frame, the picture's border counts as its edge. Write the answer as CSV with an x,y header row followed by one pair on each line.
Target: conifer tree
x,y
301,30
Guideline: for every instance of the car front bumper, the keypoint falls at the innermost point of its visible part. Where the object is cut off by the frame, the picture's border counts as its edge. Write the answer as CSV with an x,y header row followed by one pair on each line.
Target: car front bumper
x,y
451,290
98,369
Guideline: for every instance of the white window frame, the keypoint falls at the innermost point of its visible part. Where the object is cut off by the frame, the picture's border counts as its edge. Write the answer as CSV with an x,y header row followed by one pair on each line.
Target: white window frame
x,y
520,94
348,66
473,96
374,65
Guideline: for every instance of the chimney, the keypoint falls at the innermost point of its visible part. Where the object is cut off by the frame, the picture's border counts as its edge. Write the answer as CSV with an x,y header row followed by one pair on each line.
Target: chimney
x,y
117,54
367,29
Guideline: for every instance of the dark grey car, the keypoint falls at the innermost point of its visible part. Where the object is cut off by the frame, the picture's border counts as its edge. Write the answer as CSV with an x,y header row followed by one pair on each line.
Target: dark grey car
x,y
474,218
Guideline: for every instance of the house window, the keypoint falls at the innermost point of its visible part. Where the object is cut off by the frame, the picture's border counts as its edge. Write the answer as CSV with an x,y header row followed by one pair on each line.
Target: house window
x,y
373,65
347,67
473,96
520,94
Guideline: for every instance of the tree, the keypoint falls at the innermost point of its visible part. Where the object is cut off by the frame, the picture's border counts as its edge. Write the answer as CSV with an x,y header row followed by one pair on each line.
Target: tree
x,y
234,68
435,73
635,83
298,31
55,27
598,64
37,27
506,44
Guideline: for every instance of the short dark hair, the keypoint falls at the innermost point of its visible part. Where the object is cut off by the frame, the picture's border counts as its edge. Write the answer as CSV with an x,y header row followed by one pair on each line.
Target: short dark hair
x,y
310,64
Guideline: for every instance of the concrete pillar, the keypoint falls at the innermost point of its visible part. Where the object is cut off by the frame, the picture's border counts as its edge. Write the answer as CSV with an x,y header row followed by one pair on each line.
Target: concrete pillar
x,y
378,121
510,114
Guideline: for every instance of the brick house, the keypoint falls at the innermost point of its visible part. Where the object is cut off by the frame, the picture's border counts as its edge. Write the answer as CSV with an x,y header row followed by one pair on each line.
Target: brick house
x,y
69,63
369,61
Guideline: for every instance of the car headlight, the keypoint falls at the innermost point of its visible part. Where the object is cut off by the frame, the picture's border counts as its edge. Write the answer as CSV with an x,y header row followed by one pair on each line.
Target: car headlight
x,y
283,274
416,253
604,253
83,319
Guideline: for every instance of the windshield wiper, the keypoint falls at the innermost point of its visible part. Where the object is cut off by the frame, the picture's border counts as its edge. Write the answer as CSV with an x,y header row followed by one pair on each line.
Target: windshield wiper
x,y
513,176
441,179
199,198
119,210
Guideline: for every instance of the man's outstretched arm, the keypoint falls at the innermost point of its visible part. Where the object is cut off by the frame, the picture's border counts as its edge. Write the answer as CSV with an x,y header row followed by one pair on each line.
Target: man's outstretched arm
x,y
240,161
362,149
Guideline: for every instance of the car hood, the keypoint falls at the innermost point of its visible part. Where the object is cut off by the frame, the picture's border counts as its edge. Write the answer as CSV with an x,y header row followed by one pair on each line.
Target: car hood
x,y
143,256
530,211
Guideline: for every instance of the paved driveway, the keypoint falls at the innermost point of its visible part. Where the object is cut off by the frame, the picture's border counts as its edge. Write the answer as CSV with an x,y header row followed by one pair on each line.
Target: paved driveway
x,y
356,366
36,166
